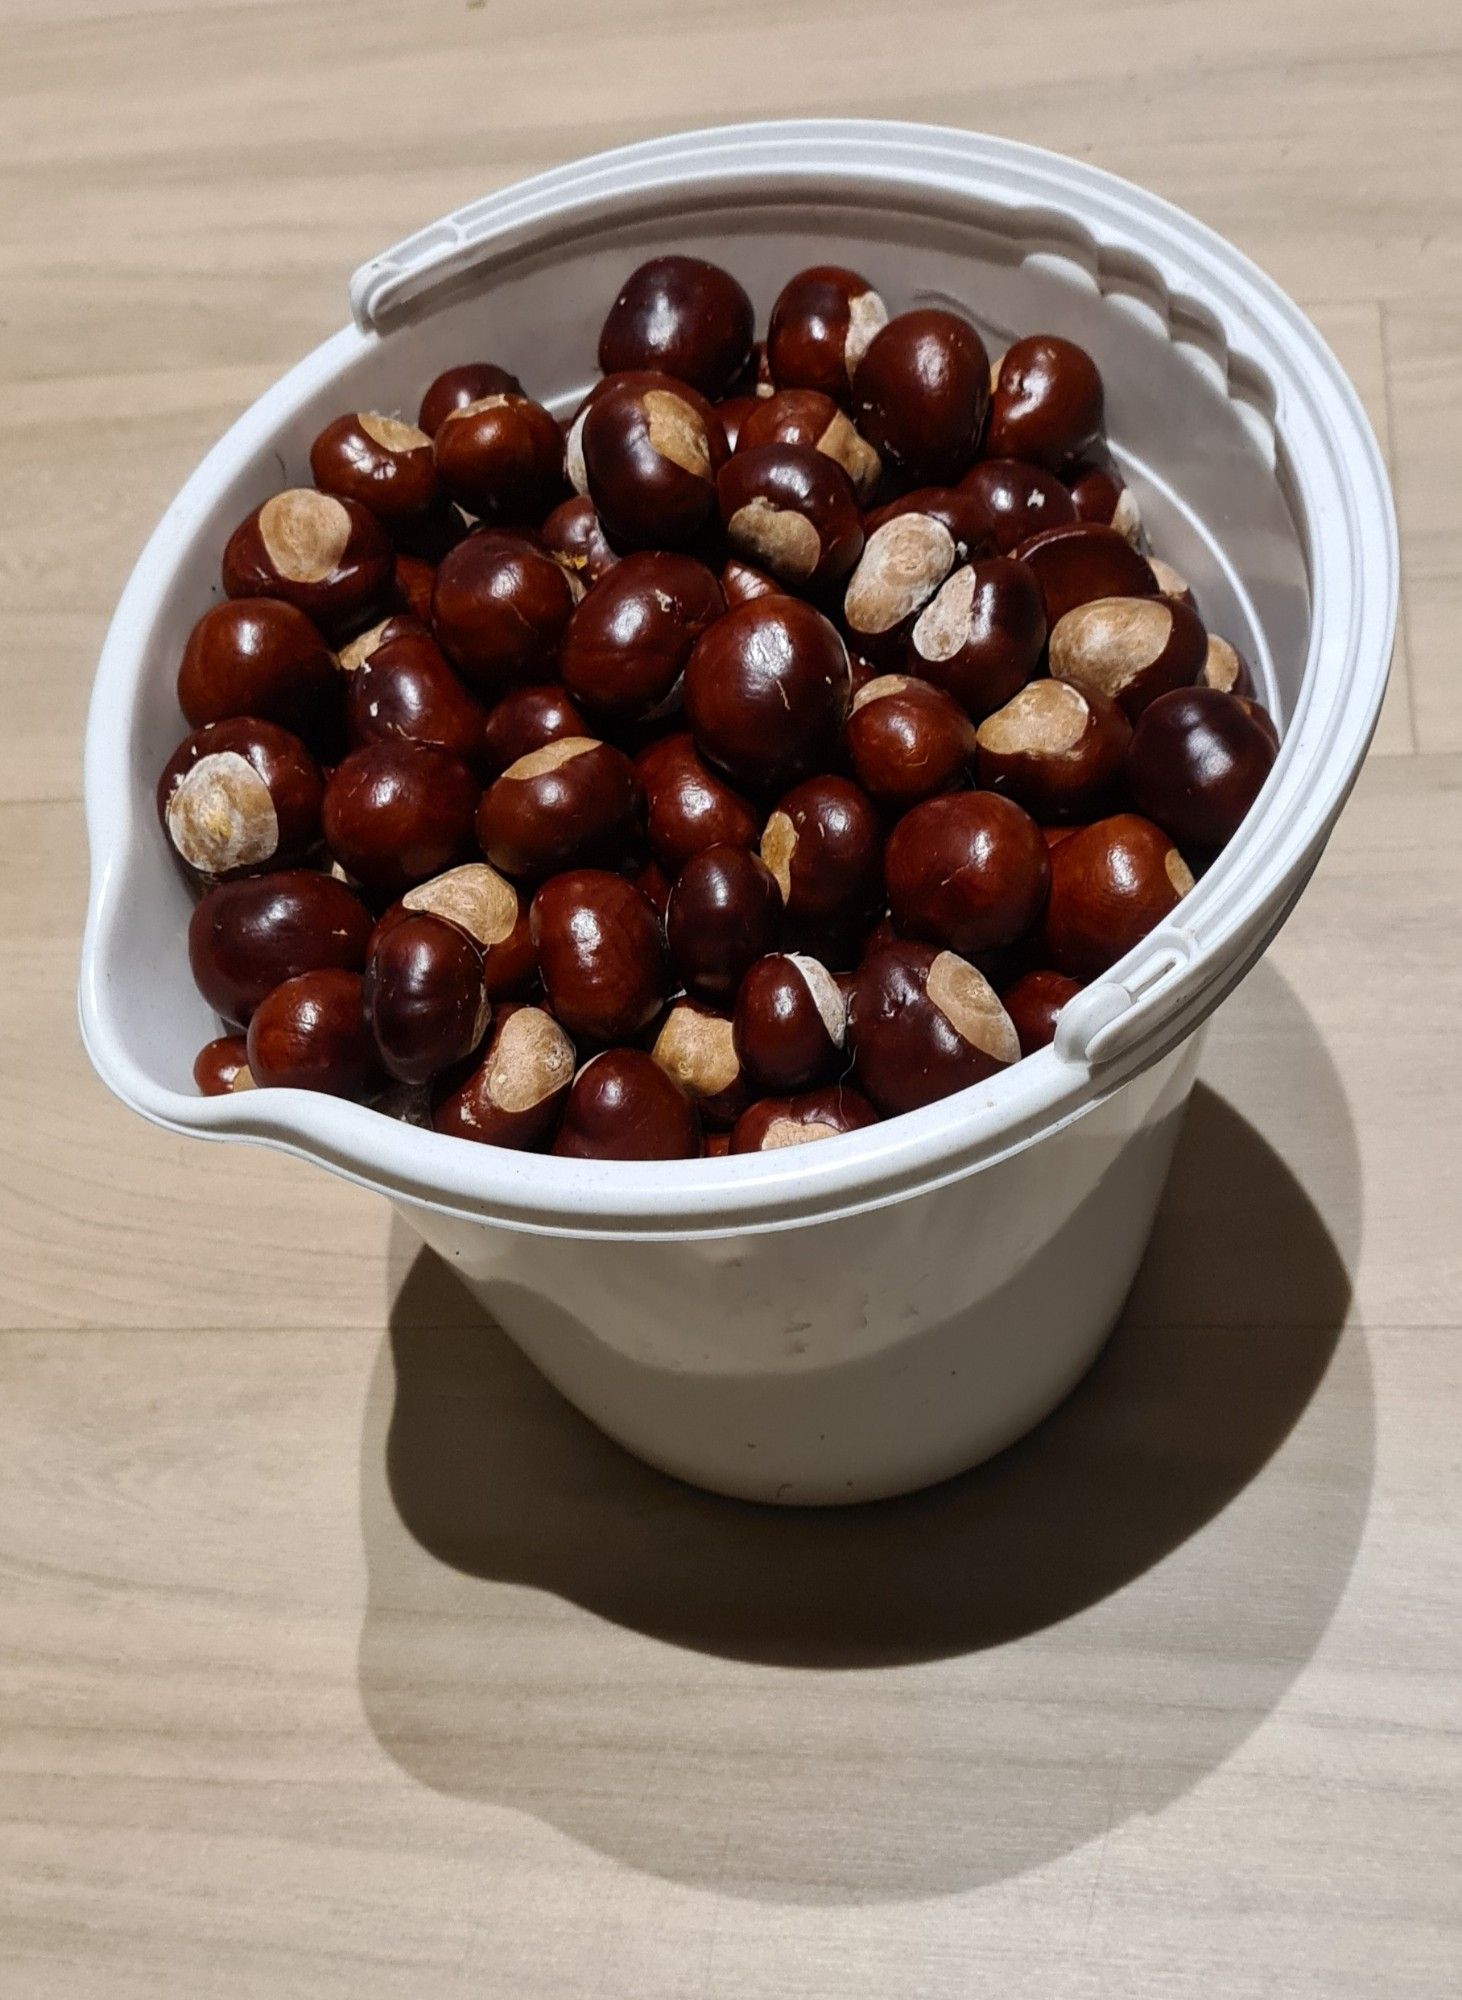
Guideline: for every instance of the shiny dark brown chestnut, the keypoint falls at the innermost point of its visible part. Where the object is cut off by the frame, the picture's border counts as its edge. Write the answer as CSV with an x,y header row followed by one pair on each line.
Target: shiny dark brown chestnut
x,y
650,460
1079,562
513,1093
382,463
456,387
767,688
488,909
329,558
1034,1003
807,417
697,1046
790,1024
920,394
980,636
574,534
1261,715
414,581
774,1122
904,561
952,507
689,807
425,997
1111,883
311,1034
1016,500
639,380
396,813
623,1106
1054,748
501,458
968,870
907,740
627,643
824,846
724,913
791,509
922,1024
1171,583
574,800
1100,493
820,329
1225,668
1131,649
732,413
1046,401
239,796
256,656
526,719
1197,762
682,315
499,610
404,691
601,954
222,1066
247,937
742,581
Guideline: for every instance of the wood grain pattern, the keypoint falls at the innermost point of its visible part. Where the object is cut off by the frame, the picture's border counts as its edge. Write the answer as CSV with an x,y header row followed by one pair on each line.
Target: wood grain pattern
x,y
337,1655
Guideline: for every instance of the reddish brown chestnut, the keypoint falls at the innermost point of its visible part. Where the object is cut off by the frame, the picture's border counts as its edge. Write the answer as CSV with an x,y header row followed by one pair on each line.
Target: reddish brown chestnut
x,y
626,645
415,580
396,813
239,796
1225,668
922,1024
327,557
1099,493
1111,882
256,656
698,1048
1016,500
404,691
960,512
457,387
682,315
1054,748
247,937
401,624
1034,1003
623,1106
221,1066
500,608
379,461
502,458
1197,762
732,413
526,719
512,1095
1131,649
903,563
968,870
601,954
724,913
980,636
571,801
742,581
1078,562
487,908
652,882
824,846
791,509
689,807
574,534
650,461
807,417
920,394
639,380
425,997
790,1023
310,1034
1171,584
1046,401
774,1122
906,740
1261,715
820,329
766,691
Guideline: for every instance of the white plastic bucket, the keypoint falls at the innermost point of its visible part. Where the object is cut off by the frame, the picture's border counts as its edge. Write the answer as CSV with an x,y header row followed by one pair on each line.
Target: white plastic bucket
x,y
859,1317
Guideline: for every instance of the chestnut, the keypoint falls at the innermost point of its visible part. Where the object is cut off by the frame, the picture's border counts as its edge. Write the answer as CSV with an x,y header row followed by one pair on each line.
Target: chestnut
x,y
525,720
824,846
310,1034
1261,715
920,394
1197,762
790,1023
922,1024
731,414
820,329
404,691
256,656
981,634
697,1047
329,558
573,800
1111,882
500,608
1225,668
221,1066
968,870
807,417
907,740
767,689
1034,1003
716,1145
247,937
623,1106
398,624
1017,500
724,913
1171,583
962,513
639,379
1054,748
903,563
487,908
424,996
575,535
626,645
414,581
395,813
512,1094
501,458
379,461
653,883
689,808
793,510
682,315
650,462
1046,401
742,581
1080,561
238,796
1132,649
1100,493
601,954
456,387
774,1122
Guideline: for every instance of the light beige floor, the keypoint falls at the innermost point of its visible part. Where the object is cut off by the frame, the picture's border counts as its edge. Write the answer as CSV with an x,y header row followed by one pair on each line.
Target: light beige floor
x,y
336,1656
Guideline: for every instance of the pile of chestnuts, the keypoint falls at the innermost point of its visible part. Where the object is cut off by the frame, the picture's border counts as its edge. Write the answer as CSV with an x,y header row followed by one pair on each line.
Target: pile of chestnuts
x,y
774,746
